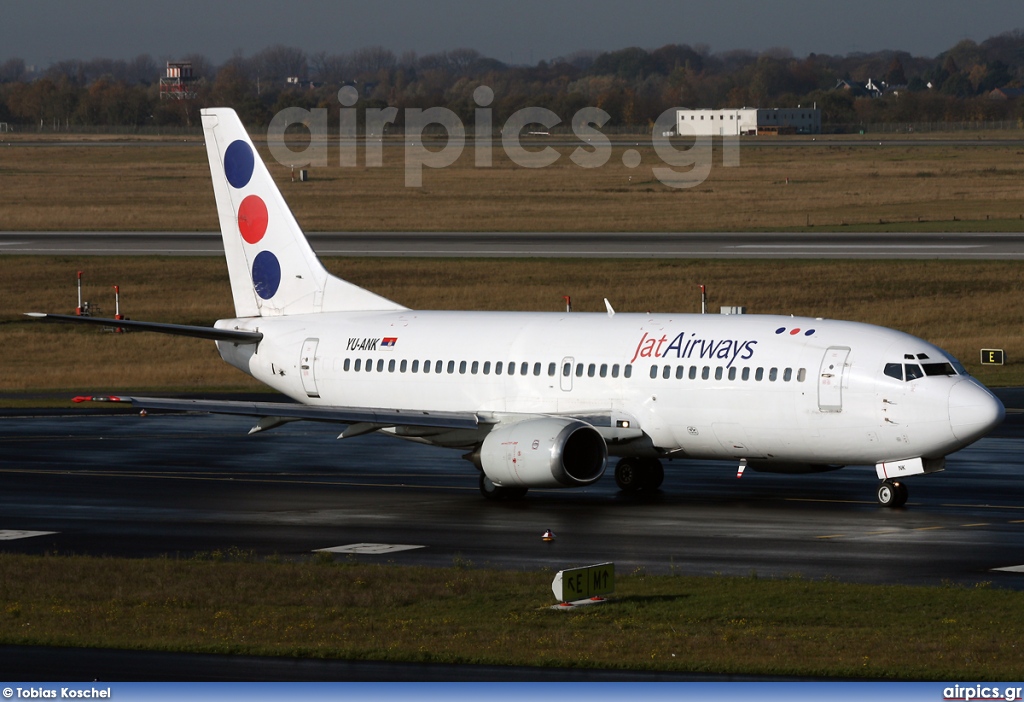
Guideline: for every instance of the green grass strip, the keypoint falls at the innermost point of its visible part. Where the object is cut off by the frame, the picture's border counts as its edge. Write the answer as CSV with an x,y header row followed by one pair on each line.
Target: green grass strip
x,y
326,608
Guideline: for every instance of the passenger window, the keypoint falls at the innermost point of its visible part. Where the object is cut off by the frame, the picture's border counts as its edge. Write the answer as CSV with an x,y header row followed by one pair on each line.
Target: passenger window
x,y
475,368
680,372
391,366
666,372
462,367
369,365
693,372
705,373
615,370
347,364
718,373
415,366
566,369
732,373
913,371
604,370
451,367
438,365
654,371
551,370
801,375
579,370
525,368
746,374
759,374
787,375
498,366
404,367
359,364
426,366
487,367
894,370
627,372
591,370
773,374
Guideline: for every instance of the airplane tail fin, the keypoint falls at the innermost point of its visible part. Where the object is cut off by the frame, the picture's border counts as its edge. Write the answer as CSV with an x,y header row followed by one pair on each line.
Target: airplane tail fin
x,y
272,268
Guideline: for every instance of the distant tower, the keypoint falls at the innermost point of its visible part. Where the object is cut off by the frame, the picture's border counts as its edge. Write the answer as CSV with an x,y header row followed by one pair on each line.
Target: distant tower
x,y
179,83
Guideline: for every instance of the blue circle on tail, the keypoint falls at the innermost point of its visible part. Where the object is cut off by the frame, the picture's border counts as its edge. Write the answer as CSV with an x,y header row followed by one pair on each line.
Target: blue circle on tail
x,y
238,163
266,274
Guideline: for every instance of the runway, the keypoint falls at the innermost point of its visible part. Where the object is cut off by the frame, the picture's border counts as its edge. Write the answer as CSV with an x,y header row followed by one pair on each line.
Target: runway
x,y
122,485
722,245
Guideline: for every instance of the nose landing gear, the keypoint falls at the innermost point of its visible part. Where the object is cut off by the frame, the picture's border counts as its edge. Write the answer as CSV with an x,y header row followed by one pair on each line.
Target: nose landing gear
x,y
892,493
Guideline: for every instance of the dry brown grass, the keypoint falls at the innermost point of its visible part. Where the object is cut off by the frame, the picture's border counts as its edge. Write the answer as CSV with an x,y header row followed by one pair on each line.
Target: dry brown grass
x,y
166,187
961,306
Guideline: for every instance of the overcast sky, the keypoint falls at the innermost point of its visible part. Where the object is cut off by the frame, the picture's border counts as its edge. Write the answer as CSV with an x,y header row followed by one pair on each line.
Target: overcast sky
x,y
519,31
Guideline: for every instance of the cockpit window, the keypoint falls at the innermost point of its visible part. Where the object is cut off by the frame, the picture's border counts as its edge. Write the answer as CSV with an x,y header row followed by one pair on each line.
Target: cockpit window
x,y
913,371
931,369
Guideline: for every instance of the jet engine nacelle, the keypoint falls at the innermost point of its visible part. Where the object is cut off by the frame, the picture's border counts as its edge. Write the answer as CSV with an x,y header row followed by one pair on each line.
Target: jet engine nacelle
x,y
548,452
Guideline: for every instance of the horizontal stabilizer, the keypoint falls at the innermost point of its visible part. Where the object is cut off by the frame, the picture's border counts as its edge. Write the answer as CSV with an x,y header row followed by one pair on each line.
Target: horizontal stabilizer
x,y
287,410
234,335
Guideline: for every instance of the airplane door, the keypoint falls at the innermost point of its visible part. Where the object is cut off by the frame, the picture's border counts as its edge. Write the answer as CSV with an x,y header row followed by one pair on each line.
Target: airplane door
x,y
830,379
565,373
307,367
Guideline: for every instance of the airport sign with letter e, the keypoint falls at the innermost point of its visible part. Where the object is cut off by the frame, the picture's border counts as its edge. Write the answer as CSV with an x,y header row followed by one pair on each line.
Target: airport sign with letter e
x,y
992,357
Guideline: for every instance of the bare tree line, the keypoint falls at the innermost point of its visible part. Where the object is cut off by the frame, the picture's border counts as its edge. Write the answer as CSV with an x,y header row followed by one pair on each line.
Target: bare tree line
x,y
634,85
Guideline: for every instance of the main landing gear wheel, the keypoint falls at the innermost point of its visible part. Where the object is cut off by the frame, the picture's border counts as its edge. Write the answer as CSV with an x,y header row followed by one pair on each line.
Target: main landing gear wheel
x,y
496,492
892,493
633,474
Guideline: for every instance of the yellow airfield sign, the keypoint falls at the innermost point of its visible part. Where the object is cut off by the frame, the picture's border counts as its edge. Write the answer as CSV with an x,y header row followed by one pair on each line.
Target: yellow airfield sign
x,y
584,583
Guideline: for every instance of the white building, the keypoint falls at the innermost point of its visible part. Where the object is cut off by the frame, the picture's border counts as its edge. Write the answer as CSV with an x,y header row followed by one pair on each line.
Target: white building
x,y
749,120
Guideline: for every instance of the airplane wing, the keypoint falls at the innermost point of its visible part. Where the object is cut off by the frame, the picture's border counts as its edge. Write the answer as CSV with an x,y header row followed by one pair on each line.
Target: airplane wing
x,y
287,411
235,335
615,427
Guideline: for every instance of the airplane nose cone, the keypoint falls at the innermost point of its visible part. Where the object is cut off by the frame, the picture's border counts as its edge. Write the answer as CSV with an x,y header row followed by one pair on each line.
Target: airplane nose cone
x,y
973,411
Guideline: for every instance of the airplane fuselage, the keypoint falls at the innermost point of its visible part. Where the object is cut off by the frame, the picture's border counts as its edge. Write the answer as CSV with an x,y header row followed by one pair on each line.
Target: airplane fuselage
x,y
768,389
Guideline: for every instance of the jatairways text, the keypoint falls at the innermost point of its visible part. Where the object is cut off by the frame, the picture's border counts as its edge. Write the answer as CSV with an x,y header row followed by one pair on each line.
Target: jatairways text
x,y
692,347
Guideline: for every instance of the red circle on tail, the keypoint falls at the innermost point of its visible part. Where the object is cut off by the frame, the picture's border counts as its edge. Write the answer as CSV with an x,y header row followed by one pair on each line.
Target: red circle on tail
x,y
252,218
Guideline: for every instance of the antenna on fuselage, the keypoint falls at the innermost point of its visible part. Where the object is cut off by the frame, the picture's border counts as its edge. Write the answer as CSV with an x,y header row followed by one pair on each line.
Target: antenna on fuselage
x,y
703,300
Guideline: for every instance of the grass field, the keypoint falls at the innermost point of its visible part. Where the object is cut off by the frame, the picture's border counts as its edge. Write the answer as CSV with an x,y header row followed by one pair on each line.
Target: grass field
x,y
961,306
322,608
823,186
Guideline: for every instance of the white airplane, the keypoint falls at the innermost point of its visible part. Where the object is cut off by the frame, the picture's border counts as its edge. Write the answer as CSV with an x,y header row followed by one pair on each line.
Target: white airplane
x,y
543,399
